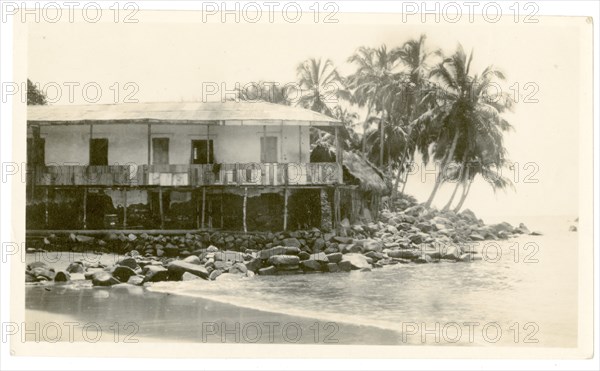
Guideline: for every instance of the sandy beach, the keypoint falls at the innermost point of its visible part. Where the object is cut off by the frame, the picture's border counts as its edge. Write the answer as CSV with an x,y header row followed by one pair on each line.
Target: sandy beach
x,y
149,317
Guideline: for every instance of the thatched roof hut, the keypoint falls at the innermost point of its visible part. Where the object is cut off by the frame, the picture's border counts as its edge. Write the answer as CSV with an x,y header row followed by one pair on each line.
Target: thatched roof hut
x,y
365,174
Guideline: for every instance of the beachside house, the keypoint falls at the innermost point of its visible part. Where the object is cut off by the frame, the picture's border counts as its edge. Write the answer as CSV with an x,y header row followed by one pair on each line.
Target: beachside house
x,y
233,166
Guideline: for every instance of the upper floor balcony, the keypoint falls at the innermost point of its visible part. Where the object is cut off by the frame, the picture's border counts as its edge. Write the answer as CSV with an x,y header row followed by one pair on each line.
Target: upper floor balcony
x,y
188,175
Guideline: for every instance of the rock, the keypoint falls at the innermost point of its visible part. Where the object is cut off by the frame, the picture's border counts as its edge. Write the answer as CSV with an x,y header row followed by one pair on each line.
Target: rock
x,y
271,270
178,267
374,255
238,268
155,273
476,237
284,260
89,274
132,237
402,254
345,266
291,242
133,253
311,265
212,248
214,274
336,257
357,261
417,238
75,268
222,265
333,267
62,276
170,250
424,258
292,250
319,257
254,265
452,252
193,259
136,280
303,255
42,272
104,279
535,233
504,226
372,245
350,248
319,245
250,274
468,214
572,228
424,227
29,278
342,240
277,250
187,276
84,239
123,273
391,229
128,262
522,229
37,264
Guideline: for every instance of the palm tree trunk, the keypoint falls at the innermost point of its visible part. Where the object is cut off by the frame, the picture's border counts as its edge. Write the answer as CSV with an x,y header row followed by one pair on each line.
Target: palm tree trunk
x,y
438,180
365,126
466,190
447,207
404,184
381,139
458,181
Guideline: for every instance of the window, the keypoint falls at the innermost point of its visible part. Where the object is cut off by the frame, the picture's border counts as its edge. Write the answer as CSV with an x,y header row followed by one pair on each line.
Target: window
x,y
99,152
160,151
202,152
36,155
268,149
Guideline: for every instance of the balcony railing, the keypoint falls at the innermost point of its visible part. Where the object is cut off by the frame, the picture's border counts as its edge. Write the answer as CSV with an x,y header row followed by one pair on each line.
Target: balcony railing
x,y
247,174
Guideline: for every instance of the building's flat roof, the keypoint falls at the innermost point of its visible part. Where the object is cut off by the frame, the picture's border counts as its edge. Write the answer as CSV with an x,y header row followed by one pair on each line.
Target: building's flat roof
x,y
241,113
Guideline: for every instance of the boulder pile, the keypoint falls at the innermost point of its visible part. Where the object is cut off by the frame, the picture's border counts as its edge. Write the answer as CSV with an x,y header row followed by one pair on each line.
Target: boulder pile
x,y
415,235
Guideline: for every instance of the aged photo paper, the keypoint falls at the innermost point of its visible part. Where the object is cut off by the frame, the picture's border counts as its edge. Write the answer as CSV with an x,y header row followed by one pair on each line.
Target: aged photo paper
x,y
291,180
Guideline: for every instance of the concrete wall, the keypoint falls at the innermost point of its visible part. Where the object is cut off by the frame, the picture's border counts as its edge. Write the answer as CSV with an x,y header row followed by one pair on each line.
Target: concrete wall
x,y
129,143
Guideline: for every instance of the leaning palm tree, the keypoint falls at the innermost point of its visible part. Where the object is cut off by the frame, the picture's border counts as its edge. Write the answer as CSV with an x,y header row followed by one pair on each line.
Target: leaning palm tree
x,y
320,85
464,110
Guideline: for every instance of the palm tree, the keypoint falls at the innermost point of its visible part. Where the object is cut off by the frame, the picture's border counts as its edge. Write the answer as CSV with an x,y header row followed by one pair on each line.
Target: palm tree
x,y
490,173
464,113
320,84
369,82
416,58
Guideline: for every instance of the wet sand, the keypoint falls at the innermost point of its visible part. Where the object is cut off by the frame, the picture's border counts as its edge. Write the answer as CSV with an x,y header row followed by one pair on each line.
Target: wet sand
x,y
133,314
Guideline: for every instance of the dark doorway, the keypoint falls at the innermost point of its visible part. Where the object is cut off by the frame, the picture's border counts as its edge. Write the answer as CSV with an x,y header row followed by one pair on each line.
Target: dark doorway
x,y
268,149
99,152
202,151
160,151
98,206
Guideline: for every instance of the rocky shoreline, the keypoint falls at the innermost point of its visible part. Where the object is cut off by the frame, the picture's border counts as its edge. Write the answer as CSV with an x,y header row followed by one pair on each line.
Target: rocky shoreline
x,y
415,235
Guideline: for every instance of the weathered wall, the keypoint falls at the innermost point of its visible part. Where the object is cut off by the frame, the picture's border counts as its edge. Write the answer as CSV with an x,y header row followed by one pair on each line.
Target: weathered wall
x,y
129,143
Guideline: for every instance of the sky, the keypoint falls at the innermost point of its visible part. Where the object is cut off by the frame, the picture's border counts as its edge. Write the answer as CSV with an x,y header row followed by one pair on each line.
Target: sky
x,y
172,58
